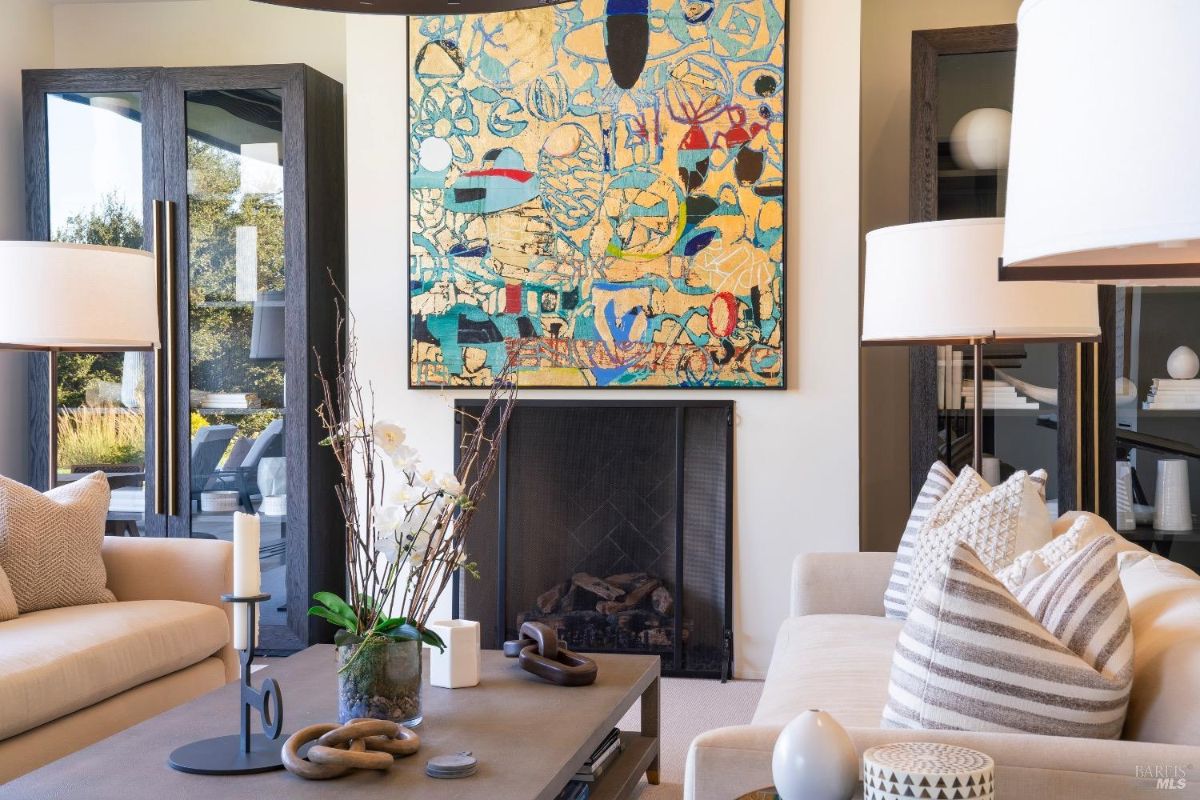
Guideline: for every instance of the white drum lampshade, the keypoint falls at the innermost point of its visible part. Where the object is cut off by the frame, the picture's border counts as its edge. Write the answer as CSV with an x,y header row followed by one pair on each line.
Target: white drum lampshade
x,y
77,297
1104,178
937,283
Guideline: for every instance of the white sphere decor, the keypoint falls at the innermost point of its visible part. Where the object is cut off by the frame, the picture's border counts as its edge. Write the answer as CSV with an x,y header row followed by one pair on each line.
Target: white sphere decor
x,y
814,759
980,139
1183,364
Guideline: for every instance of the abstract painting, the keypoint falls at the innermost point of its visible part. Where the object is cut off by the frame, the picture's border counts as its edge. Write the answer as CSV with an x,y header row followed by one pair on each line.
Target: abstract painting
x,y
597,195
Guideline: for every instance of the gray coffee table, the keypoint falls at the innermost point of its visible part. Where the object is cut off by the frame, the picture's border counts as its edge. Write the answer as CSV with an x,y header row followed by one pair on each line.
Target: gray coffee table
x,y
529,736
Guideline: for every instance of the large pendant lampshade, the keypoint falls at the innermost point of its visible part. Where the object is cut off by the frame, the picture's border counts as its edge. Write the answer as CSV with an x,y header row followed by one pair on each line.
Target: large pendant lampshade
x,y
1104,168
413,7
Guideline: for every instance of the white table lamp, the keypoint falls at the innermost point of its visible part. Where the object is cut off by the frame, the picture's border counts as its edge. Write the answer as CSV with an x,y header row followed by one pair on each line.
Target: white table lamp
x,y
1104,173
934,283
74,297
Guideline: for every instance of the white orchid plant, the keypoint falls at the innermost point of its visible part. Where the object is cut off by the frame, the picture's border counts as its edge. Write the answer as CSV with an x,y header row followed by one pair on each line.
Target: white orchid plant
x,y
406,525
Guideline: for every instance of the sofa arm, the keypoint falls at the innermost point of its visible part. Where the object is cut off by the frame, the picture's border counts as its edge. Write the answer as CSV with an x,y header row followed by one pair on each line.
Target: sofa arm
x,y
195,570
728,762
840,583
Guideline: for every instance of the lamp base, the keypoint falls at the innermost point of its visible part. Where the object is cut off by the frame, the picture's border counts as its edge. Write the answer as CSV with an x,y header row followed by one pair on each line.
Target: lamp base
x,y
222,755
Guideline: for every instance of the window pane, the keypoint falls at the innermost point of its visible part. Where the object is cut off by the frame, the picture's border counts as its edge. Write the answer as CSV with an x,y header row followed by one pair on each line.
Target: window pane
x,y
95,175
236,298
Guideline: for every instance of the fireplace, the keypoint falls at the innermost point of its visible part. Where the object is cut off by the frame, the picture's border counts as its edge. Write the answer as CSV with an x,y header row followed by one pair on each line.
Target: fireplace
x,y
611,522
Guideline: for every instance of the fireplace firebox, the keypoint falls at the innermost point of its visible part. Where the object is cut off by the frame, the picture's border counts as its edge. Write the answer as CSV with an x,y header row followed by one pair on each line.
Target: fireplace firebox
x,y
611,522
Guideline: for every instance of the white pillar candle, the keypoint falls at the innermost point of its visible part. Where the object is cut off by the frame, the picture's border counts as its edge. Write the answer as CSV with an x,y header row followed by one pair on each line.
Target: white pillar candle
x,y
245,570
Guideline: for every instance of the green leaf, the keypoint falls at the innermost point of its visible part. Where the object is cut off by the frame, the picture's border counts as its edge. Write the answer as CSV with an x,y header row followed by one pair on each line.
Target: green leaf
x,y
336,619
432,639
389,623
405,633
335,604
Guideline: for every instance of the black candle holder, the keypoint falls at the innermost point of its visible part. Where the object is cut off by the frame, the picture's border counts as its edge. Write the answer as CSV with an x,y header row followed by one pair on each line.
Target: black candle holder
x,y
241,753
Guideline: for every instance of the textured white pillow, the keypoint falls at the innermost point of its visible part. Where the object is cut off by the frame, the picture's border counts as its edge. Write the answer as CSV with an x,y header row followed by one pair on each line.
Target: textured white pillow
x,y
937,484
997,524
1056,660
1032,563
50,543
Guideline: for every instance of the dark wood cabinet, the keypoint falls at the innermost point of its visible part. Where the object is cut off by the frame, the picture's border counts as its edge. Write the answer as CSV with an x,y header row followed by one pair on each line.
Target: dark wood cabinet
x,y
235,177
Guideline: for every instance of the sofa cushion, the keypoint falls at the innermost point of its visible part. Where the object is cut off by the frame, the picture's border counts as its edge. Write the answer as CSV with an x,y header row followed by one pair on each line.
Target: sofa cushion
x,y
937,483
50,543
1164,602
835,662
1056,660
60,660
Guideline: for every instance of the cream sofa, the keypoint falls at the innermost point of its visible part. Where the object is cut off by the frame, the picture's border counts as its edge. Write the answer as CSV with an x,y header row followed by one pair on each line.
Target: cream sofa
x,y
72,676
834,652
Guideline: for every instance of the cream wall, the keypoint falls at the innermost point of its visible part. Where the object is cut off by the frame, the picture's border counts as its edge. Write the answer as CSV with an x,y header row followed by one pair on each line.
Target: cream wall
x,y
197,33
25,41
797,450
887,27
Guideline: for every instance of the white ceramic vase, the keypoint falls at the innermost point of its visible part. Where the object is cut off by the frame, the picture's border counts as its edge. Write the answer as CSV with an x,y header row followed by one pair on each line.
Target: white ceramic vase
x,y
1172,498
1183,364
814,759
458,666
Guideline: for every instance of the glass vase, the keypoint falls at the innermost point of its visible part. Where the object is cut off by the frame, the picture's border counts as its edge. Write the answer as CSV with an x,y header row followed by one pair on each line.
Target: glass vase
x,y
380,679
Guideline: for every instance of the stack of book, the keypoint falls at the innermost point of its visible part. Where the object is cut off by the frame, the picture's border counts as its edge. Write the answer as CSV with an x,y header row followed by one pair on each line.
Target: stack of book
x,y
229,400
1167,394
602,757
575,790
996,395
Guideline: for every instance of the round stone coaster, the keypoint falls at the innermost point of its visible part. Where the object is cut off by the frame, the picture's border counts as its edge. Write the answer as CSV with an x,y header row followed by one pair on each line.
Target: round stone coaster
x,y
927,770
458,765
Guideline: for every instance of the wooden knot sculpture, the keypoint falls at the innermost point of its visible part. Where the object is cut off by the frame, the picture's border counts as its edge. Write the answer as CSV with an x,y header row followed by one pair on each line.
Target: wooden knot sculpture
x,y
538,652
359,744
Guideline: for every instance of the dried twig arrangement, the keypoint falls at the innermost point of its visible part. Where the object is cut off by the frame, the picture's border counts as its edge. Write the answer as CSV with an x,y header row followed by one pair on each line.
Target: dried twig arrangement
x,y
406,526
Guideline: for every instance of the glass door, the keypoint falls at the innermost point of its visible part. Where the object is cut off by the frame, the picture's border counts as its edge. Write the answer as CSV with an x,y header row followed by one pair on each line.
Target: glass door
x,y
229,171
974,102
1153,347
97,136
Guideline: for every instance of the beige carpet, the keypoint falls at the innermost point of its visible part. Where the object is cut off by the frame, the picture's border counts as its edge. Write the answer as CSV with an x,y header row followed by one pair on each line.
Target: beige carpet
x,y
688,708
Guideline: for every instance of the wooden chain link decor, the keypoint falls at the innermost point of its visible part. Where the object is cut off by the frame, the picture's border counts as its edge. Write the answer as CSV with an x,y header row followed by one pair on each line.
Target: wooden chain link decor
x,y
538,652
359,744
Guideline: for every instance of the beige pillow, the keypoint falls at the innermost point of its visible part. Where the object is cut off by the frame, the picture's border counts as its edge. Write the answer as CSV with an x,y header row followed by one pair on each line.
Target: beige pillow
x,y
1056,659
8,603
997,524
50,543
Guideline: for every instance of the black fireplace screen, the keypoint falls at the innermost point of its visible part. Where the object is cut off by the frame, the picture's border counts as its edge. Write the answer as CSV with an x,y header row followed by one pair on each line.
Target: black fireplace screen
x,y
611,522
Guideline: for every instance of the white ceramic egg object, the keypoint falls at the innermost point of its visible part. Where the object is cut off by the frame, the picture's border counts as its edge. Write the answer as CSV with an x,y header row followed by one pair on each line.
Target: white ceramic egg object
x,y
979,140
814,759
1183,364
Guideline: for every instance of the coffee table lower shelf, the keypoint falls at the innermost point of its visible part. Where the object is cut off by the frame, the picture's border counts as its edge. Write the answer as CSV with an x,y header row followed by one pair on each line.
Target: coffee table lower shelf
x,y
621,778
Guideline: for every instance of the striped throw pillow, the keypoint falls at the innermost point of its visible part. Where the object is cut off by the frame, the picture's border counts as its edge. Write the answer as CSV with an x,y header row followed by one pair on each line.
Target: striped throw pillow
x,y
1057,660
895,597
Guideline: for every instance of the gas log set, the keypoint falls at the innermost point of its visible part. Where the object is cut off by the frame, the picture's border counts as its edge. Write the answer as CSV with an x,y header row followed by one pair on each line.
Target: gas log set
x,y
632,611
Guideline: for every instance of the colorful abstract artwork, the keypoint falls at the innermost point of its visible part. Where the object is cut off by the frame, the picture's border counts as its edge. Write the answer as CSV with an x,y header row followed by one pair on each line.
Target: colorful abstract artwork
x,y
597,195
